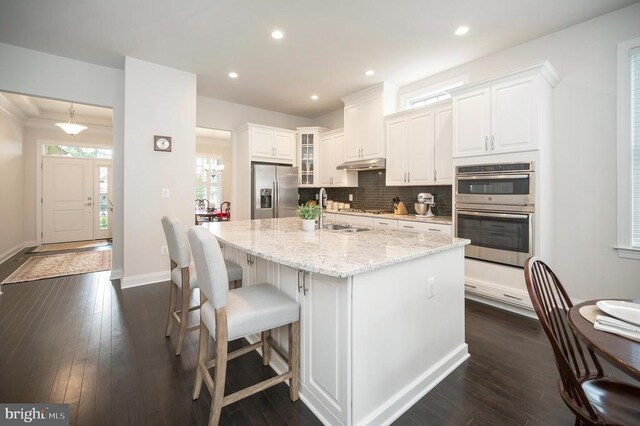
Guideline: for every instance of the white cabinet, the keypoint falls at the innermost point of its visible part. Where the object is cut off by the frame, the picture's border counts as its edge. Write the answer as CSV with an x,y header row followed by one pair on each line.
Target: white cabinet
x,y
309,162
270,144
332,154
419,147
385,223
364,113
324,316
502,114
410,225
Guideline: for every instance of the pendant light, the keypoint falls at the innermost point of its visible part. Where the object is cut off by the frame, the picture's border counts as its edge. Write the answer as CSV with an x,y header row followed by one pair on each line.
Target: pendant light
x,y
71,127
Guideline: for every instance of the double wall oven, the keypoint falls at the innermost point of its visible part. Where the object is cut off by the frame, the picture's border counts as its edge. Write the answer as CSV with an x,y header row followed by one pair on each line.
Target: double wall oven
x,y
495,209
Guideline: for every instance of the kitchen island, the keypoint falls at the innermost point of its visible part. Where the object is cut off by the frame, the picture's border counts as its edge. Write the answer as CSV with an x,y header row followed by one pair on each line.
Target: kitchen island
x,y
382,311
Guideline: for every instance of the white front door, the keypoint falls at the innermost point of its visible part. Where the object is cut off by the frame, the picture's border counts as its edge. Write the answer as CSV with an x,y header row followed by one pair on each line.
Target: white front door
x,y
67,199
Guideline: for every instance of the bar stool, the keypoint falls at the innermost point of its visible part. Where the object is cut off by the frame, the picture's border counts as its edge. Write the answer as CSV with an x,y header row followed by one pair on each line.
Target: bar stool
x,y
234,314
183,271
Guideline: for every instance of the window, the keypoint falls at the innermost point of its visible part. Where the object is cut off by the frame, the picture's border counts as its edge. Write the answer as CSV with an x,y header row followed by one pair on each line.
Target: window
x,y
432,93
76,151
629,149
208,187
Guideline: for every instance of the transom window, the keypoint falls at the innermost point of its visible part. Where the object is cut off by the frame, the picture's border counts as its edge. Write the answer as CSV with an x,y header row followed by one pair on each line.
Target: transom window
x,y
76,151
432,93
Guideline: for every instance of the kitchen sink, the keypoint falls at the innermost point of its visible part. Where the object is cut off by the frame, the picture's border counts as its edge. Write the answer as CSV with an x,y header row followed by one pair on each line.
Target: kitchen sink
x,y
344,228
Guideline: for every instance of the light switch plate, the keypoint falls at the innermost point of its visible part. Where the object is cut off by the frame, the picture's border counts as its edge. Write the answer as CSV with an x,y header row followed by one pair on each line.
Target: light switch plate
x,y
165,192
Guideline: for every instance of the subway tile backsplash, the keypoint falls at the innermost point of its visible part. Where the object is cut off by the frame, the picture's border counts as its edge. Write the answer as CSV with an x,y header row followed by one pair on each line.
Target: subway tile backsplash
x,y
372,193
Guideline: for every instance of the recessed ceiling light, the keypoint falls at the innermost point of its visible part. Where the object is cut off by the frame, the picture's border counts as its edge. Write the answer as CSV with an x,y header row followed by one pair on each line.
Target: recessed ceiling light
x,y
314,97
369,73
233,75
277,34
461,31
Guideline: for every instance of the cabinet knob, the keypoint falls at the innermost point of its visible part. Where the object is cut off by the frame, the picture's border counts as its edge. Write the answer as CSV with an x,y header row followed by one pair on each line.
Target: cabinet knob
x,y
492,143
486,143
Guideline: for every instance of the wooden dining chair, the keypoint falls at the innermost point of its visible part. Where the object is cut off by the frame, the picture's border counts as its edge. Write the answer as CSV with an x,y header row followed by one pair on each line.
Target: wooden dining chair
x,y
233,314
594,398
202,204
183,271
225,211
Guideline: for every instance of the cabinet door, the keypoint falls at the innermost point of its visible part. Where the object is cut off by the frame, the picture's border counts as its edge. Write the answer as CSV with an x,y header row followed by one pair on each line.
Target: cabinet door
x,y
338,148
325,332
352,131
471,121
420,150
326,161
443,163
385,223
410,225
514,116
284,145
396,138
372,128
287,282
261,142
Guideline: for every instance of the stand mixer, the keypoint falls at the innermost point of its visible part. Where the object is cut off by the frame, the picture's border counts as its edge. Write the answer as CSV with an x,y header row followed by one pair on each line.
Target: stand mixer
x,y
424,204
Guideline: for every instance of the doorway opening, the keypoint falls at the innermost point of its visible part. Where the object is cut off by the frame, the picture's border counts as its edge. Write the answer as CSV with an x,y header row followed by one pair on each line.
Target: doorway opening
x,y
213,174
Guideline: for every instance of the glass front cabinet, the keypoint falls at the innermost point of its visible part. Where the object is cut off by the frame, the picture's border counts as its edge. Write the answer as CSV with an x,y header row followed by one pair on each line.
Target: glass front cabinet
x,y
309,156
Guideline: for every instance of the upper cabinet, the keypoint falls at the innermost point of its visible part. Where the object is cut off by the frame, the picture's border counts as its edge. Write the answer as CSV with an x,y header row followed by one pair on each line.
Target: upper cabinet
x,y
271,144
332,154
364,113
309,156
418,145
502,114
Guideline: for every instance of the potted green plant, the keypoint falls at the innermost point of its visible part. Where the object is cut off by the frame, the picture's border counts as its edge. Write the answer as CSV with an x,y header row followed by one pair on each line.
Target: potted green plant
x,y
308,213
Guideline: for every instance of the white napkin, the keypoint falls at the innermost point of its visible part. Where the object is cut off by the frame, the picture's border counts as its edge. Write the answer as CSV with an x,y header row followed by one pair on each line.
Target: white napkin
x,y
615,326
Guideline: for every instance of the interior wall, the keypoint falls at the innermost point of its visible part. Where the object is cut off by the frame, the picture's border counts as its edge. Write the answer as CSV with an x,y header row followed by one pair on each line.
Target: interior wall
x,y
11,185
331,120
584,116
158,101
222,149
31,137
35,73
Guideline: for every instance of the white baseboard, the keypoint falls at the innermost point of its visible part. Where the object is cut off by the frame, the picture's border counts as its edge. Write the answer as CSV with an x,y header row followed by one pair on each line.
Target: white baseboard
x,y
144,279
13,250
116,274
408,396
500,305
31,244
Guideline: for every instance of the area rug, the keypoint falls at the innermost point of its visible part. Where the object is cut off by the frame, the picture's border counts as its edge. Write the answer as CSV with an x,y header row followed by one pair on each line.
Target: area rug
x,y
60,265
69,246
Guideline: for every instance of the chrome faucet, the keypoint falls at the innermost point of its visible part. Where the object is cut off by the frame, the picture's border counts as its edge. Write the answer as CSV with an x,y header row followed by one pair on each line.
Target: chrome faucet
x,y
321,196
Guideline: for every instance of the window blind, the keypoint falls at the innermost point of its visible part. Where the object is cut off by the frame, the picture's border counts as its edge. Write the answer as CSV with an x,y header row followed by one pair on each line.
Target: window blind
x,y
635,148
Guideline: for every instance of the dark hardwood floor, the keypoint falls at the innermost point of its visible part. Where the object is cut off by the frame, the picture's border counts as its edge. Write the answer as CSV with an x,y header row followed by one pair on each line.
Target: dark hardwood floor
x,y
81,340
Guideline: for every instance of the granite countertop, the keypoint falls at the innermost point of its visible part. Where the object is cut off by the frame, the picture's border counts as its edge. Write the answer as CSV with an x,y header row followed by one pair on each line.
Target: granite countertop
x,y
329,252
442,220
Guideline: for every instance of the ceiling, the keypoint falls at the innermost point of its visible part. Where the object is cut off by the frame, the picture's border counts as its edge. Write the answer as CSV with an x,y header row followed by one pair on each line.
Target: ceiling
x,y
33,107
326,49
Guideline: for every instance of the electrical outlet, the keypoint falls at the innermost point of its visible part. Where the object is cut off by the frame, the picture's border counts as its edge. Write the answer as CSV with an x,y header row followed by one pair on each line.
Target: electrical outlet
x,y
350,197
431,287
316,196
165,192
164,250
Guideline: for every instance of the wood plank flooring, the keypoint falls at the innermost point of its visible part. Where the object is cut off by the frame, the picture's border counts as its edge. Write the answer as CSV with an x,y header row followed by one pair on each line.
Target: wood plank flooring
x,y
83,341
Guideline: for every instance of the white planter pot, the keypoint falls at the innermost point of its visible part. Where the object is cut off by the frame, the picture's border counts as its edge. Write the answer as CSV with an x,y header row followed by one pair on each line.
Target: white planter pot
x,y
308,225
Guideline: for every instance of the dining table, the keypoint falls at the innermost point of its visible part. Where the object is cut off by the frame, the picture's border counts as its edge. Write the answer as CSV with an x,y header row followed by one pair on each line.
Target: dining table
x,y
205,213
621,352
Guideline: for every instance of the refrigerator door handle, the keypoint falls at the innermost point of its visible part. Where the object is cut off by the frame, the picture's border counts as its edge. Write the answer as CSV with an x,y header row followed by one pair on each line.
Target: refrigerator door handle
x,y
275,199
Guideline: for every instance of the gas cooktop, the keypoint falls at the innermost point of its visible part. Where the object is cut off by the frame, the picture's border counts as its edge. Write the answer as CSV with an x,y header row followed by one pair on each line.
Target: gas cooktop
x,y
370,211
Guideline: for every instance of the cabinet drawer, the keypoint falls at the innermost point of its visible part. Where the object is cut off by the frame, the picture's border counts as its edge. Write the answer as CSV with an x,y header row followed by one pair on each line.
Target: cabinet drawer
x,y
354,220
385,223
422,226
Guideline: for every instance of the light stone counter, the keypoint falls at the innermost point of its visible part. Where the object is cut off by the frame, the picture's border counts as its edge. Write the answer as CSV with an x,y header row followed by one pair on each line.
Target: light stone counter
x,y
442,220
329,252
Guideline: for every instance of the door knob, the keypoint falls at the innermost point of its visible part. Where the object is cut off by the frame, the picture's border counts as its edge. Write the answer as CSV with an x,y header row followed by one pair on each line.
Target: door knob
x,y
89,204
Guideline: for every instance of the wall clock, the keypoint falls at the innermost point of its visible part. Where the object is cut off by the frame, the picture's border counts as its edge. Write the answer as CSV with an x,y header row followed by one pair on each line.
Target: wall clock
x,y
162,143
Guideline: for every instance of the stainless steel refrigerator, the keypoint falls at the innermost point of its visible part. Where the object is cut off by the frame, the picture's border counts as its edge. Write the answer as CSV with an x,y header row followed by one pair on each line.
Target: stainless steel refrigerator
x,y
274,191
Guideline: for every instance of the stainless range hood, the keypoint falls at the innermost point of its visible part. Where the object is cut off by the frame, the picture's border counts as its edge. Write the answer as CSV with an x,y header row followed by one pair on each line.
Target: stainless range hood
x,y
370,164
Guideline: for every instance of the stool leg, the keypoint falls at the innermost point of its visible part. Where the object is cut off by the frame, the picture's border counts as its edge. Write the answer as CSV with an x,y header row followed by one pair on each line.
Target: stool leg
x,y
217,399
203,346
266,348
184,315
294,359
172,307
